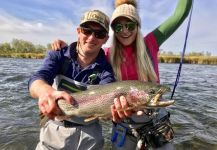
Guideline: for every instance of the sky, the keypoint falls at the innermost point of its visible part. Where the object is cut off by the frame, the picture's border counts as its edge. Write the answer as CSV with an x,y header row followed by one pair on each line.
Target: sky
x,y
43,21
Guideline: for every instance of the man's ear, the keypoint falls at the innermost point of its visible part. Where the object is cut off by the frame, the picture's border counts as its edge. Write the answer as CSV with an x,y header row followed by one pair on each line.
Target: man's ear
x,y
78,30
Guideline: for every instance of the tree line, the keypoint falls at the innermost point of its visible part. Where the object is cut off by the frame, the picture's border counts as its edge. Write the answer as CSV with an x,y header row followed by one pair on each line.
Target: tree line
x,y
22,46
25,49
169,53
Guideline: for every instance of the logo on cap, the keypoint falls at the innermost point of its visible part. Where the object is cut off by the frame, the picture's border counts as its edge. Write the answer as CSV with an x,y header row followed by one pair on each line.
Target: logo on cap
x,y
98,17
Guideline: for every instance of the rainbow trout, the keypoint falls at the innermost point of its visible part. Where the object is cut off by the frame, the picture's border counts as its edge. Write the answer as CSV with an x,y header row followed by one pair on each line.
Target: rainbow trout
x,y
95,102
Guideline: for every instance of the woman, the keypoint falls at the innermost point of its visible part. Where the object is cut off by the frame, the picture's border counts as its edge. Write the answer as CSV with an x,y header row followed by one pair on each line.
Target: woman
x,y
135,58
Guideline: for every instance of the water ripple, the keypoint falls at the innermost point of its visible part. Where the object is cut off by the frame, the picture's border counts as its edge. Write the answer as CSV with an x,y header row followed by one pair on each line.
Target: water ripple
x,y
194,115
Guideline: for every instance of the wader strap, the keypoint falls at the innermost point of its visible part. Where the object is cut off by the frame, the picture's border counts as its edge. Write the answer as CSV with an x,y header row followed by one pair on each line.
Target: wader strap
x,y
65,65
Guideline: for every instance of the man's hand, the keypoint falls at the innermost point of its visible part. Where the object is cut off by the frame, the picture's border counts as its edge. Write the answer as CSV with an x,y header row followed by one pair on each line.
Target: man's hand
x,y
47,98
48,103
58,44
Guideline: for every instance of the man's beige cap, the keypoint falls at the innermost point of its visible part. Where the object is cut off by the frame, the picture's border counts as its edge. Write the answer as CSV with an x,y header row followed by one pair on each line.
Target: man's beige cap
x,y
96,16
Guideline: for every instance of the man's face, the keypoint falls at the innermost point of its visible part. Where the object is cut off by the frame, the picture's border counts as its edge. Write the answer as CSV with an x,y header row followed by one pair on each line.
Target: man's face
x,y
91,37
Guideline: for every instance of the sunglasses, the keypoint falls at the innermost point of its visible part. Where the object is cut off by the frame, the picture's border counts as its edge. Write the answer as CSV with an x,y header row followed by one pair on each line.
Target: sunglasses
x,y
130,26
99,34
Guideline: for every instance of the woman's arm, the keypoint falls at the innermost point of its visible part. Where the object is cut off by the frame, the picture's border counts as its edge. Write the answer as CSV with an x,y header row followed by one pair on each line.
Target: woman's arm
x,y
167,28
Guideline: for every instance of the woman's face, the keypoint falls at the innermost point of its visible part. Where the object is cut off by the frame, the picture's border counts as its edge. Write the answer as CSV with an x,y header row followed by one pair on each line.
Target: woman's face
x,y
125,30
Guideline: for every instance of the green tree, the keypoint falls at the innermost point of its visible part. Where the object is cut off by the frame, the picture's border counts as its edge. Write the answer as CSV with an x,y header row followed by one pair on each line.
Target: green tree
x,y
21,46
49,46
5,47
40,49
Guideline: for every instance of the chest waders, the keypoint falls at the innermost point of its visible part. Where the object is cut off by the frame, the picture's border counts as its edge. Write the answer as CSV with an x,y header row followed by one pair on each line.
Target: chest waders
x,y
64,68
64,84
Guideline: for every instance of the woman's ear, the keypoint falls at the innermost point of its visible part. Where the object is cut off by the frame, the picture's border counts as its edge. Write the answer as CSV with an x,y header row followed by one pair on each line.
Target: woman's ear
x,y
78,33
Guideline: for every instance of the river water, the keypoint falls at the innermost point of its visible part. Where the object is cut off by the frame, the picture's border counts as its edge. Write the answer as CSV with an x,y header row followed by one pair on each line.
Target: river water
x,y
194,115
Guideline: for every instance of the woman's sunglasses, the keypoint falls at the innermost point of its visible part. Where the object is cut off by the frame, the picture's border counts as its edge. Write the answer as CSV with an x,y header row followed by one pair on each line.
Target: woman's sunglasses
x,y
99,34
130,26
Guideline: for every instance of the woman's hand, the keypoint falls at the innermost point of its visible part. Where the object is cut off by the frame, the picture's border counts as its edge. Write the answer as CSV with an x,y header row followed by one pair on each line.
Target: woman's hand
x,y
58,44
119,111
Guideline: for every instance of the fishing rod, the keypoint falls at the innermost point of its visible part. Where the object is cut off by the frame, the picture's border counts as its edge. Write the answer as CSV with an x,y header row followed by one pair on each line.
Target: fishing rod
x,y
183,52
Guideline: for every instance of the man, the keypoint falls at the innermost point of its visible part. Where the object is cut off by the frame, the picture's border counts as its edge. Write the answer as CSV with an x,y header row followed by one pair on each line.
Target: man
x,y
83,62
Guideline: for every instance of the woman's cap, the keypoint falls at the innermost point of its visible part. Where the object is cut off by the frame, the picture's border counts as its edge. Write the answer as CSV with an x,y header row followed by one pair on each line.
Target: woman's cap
x,y
96,16
126,10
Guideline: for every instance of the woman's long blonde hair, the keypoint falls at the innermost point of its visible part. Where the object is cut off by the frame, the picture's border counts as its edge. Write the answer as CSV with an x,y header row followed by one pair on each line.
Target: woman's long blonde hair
x,y
144,65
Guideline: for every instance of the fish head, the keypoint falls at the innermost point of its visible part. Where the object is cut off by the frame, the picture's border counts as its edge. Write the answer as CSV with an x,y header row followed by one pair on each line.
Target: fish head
x,y
155,96
148,94
157,90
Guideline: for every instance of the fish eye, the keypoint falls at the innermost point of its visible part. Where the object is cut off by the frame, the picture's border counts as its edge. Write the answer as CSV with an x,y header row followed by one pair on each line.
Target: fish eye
x,y
151,91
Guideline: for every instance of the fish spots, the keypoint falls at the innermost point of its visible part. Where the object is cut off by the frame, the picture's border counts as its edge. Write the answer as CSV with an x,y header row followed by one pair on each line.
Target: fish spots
x,y
138,96
119,87
92,92
133,88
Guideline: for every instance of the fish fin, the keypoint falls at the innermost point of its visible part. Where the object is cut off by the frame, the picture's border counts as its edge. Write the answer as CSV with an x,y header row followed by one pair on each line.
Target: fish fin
x,y
90,118
105,118
61,118
101,117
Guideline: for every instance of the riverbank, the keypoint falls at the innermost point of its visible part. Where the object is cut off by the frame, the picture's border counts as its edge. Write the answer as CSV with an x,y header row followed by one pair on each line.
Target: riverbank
x,y
206,60
23,55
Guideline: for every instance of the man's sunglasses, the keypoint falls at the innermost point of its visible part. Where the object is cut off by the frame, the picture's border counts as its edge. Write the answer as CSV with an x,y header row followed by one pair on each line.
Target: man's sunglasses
x,y
130,26
99,34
